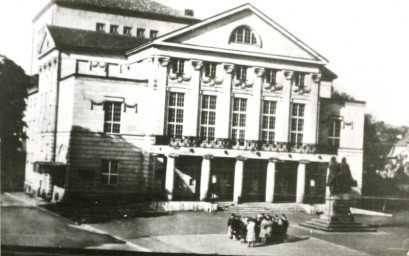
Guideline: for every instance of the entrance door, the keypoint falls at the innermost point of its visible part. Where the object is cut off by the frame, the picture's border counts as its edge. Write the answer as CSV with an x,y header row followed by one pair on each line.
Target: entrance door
x,y
286,182
254,180
222,181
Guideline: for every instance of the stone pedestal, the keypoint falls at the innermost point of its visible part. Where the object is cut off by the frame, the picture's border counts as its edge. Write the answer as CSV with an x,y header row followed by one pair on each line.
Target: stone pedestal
x,y
337,217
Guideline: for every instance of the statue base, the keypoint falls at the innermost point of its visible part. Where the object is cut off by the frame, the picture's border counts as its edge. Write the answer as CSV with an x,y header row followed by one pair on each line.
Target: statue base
x,y
337,217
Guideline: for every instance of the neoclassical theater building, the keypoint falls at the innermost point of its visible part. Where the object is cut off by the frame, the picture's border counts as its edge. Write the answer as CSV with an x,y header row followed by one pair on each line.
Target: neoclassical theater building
x,y
136,99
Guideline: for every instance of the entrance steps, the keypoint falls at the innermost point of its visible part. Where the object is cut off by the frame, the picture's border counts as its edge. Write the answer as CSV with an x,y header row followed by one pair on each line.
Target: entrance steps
x,y
259,207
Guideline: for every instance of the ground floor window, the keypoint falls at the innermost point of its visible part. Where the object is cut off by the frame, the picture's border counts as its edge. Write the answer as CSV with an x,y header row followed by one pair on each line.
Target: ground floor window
x,y
109,172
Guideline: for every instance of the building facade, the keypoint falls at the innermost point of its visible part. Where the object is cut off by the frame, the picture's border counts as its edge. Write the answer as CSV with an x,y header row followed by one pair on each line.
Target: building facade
x,y
230,108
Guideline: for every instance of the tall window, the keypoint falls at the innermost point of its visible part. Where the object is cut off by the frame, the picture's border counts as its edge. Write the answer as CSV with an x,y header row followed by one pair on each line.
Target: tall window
x,y
243,35
100,27
269,121
210,69
153,34
238,128
113,29
299,79
334,133
240,73
297,123
271,76
127,31
109,172
208,116
175,114
178,66
112,118
140,32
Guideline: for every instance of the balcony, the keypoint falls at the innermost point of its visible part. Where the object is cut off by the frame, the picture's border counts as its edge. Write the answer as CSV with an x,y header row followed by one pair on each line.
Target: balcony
x,y
240,144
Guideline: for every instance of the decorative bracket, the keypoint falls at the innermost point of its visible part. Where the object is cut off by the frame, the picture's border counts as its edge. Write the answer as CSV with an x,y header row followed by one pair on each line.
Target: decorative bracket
x,y
164,61
197,64
316,78
228,68
259,71
288,74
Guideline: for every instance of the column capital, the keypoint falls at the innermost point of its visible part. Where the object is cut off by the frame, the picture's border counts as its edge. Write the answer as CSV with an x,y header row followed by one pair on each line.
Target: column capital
x,y
304,161
241,158
288,74
197,64
273,160
316,77
259,71
164,60
208,157
228,67
173,155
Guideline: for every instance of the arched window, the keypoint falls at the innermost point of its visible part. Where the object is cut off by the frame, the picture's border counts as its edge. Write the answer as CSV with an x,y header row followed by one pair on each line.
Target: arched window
x,y
244,35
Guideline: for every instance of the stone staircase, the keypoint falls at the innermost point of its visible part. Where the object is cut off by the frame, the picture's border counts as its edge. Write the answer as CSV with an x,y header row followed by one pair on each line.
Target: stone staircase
x,y
259,207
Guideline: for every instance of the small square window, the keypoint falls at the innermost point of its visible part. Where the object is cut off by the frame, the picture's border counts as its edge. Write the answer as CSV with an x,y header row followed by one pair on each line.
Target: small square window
x,y
100,27
153,34
140,32
113,29
127,31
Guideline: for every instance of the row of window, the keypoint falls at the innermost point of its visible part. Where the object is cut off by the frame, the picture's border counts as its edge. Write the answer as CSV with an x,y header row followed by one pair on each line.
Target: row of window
x,y
127,31
175,117
240,72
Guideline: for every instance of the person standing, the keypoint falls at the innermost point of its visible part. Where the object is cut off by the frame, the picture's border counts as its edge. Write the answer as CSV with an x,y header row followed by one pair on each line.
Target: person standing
x,y
333,172
230,223
251,233
346,181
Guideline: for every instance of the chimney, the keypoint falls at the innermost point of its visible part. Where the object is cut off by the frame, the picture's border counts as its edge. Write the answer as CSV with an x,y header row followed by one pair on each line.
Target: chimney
x,y
189,12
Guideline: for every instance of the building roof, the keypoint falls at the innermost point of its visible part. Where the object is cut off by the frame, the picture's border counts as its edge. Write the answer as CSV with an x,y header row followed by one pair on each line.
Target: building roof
x,y
130,7
77,39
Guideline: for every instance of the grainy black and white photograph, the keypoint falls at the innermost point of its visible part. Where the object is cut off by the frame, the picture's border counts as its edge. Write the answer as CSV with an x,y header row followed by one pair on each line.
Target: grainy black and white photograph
x,y
217,127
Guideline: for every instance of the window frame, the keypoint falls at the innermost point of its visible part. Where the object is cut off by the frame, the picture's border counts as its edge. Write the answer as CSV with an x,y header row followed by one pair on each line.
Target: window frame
x,y
240,73
271,76
109,172
114,29
210,69
244,35
112,122
175,114
153,32
100,27
334,138
127,28
179,64
238,129
298,119
208,105
139,34
299,79
271,114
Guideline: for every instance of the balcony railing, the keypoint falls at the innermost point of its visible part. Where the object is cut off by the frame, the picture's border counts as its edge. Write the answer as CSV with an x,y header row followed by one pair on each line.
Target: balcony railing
x,y
253,145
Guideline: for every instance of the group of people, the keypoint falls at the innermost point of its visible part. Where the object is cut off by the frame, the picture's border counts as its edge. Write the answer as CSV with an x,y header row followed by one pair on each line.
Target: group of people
x,y
262,228
340,178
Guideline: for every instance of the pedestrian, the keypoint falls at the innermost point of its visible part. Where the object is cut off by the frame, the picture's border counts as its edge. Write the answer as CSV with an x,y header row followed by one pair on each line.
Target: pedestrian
x,y
230,221
251,233
265,229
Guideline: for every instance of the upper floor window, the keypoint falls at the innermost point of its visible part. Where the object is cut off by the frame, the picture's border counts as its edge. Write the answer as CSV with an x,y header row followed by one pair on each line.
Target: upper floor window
x,y
208,117
175,113
271,76
113,29
177,66
109,172
299,79
100,27
334,133
243,35
238,128
153,34
127,31
269,121
112,117
140,32
297,123
240,73
210,69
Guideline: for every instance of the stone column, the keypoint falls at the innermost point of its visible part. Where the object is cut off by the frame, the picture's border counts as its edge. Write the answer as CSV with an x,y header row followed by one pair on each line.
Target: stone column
x,y
283,108
223,104
170,176
270,180
191,110
327,191
205,177
238,178
254,106
301,181
311,109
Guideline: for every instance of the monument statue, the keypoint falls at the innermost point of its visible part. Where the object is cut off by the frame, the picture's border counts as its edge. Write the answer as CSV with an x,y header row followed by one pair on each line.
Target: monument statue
x,y
337,216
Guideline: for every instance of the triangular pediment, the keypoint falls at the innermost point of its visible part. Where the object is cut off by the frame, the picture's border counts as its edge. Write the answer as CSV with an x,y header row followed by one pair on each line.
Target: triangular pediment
x,y
216,33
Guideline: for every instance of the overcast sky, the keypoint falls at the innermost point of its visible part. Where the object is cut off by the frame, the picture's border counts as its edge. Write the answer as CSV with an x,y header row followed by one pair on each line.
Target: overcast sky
x,y
365,41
